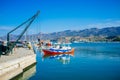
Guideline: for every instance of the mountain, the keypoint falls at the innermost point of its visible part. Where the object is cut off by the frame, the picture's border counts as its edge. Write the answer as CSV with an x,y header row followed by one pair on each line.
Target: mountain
x,y
105,32
109,31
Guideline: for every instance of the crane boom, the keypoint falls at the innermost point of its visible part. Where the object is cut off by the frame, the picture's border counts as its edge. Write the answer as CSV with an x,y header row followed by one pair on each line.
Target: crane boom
x,y
30,20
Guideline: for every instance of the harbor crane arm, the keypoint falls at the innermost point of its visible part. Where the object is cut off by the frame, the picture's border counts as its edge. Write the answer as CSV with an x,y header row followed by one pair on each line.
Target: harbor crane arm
x,y
30,20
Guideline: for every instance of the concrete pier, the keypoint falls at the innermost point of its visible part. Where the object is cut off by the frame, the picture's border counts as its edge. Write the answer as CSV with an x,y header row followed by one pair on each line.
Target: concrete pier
x,y
13,64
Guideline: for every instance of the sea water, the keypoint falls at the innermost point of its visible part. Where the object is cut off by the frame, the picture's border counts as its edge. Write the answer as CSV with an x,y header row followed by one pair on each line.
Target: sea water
x,y
91,61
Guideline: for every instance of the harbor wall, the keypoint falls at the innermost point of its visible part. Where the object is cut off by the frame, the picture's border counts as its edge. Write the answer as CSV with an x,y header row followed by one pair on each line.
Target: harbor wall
x,y
14,67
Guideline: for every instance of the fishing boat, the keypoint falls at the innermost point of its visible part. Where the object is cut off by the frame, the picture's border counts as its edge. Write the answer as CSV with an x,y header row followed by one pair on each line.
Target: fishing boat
x,y
58,49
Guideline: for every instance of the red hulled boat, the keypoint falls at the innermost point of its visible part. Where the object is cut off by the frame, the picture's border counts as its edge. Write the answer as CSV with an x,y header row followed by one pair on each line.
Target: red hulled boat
x,y
55,52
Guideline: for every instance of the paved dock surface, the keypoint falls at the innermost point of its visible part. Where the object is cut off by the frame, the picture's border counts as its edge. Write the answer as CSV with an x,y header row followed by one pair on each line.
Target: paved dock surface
x,y
13,64
17,53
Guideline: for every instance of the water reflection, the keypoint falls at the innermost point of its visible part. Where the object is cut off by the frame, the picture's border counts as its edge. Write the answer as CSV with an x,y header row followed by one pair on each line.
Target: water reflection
x,y
30,71
64,58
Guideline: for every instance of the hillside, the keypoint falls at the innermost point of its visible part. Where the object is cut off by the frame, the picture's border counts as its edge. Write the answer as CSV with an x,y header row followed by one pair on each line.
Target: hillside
x,y
109,31
104,32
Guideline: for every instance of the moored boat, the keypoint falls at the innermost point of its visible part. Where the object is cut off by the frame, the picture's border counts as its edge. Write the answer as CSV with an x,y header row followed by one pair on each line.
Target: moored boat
x,y
58,49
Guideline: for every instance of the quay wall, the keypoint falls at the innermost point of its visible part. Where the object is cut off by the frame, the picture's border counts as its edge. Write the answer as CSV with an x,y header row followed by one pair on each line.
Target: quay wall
x,y
14,67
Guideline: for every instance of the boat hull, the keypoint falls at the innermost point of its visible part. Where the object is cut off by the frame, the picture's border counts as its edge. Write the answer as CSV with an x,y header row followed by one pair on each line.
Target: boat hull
x,y
49,52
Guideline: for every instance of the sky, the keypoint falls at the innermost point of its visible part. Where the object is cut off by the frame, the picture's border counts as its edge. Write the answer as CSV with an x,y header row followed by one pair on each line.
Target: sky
x,y
59,15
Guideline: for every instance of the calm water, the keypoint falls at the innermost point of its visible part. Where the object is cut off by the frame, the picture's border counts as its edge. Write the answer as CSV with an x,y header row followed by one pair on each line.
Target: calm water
x,y
91,61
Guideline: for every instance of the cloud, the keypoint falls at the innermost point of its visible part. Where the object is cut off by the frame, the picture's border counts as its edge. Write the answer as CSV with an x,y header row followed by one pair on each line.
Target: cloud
x,y
9,28
105,24
118,22
5,28
108,20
